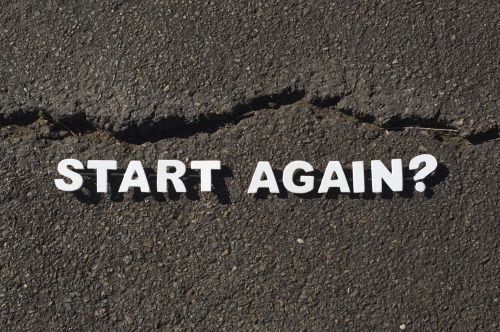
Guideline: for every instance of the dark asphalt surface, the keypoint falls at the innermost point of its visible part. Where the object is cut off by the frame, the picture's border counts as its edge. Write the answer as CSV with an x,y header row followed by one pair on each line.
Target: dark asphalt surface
x,y
243,82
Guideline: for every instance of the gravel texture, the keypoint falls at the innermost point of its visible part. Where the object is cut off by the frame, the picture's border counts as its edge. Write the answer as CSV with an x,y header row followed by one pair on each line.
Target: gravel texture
x,y
242,82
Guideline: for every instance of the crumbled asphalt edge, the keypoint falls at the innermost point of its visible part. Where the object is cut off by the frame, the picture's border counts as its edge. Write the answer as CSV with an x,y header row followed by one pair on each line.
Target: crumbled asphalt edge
x,y
156,129
411,62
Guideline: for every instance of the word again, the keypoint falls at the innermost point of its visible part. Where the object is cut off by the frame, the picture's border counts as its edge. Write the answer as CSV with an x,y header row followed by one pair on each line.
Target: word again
x,y
334,176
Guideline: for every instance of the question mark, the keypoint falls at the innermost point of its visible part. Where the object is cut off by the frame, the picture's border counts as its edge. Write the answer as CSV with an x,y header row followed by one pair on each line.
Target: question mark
x,y
430,165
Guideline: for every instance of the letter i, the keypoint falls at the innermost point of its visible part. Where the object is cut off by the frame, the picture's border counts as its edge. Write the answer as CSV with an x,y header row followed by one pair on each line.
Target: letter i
x,y
358,177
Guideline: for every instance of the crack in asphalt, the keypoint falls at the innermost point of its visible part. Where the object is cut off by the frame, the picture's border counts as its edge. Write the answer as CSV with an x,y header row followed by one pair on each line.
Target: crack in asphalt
x,y
155,129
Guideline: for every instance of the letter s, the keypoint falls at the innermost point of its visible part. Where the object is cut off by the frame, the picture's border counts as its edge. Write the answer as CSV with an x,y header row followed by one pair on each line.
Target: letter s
x,y
76,179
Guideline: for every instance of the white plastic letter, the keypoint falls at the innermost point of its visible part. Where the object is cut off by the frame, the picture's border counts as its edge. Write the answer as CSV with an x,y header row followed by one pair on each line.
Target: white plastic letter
x,y
134,167
263,167
205,167
308,181
394,178
175,177
430,165
102,167
76,179
358,177
328,182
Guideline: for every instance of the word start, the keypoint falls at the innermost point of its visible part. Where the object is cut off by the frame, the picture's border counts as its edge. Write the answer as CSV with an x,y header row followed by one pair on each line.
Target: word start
x,y
172,171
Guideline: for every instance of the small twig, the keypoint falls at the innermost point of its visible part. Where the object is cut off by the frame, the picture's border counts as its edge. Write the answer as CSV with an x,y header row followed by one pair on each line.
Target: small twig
x,y
423,128
66,127
245,115
42,115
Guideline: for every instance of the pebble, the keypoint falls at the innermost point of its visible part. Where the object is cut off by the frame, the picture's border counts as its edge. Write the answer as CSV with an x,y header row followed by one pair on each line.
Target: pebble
x,y
306,11
127,259
129,320
100,312
402,327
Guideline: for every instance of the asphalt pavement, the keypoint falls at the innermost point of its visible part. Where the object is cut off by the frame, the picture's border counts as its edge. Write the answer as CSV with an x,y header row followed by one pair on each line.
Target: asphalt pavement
x,y
243,82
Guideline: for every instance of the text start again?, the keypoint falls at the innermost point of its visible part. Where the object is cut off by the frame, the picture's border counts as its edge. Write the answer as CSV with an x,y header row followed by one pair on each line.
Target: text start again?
x,y
170,172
